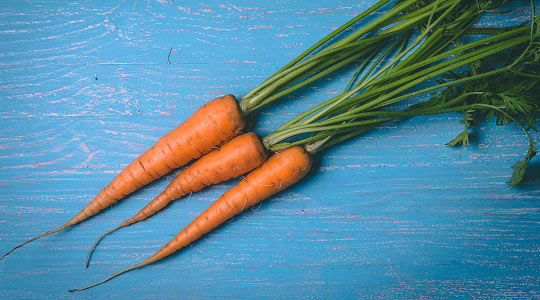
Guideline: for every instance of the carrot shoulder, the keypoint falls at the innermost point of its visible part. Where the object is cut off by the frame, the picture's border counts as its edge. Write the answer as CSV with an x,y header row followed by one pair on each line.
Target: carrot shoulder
x,y
211,125
236,157
279,172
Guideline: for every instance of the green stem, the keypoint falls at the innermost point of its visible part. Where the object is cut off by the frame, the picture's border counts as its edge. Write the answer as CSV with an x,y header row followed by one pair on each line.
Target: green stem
x,y
258,96
321,42
321,113
328,67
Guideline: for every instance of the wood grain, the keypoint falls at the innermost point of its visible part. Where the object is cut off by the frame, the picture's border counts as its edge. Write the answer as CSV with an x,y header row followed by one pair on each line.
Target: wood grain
x,y
87,86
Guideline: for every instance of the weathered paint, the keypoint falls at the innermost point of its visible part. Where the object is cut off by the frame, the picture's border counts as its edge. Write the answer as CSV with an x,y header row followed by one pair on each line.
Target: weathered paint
x,y
86,87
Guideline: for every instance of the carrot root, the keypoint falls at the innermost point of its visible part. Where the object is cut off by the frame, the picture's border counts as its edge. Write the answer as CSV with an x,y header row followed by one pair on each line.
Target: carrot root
x,y
279,172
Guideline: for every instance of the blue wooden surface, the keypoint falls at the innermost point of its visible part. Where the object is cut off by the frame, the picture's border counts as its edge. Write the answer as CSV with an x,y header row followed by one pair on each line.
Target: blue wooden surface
x,y
87,86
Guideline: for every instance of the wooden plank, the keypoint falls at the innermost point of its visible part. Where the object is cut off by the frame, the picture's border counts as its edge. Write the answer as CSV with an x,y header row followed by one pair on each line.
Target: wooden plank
x,y
86,87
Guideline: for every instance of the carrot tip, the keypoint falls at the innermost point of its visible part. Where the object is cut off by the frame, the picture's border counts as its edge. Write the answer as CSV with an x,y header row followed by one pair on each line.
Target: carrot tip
x,y
109,278
89,254
35,238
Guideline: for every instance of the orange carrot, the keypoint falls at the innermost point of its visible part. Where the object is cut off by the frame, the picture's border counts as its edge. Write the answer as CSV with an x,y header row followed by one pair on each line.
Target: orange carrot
x,y
236,157
212,124
279,172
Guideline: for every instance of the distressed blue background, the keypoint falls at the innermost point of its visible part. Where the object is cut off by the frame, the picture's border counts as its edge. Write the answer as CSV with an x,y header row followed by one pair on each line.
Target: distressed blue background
x,y
87,86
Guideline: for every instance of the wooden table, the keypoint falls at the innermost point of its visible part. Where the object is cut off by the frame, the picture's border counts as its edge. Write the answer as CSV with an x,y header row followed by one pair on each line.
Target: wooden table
x,y
86,87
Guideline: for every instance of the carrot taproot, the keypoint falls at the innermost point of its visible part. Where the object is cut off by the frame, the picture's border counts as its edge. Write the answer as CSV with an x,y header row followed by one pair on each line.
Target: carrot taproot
x,y
280,171
212,124
236,157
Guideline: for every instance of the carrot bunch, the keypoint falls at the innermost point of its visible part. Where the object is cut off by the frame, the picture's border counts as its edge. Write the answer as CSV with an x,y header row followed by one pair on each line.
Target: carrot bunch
x,y
196,176
394,57
358,109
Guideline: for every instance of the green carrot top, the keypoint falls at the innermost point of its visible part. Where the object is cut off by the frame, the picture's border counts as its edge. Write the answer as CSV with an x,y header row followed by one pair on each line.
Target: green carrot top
x,y
468,81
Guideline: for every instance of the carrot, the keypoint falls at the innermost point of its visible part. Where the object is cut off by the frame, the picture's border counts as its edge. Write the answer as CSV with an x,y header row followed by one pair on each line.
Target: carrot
x,y
280,171
236,157
212,124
